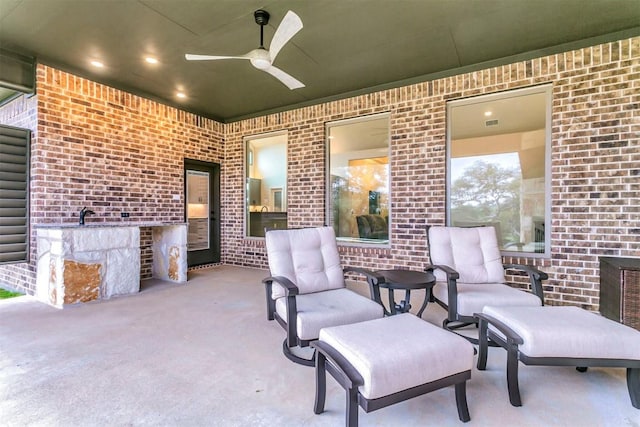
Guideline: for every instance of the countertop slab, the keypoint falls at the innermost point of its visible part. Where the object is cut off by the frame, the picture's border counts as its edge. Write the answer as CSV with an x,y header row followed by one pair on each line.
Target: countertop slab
x,y
109,224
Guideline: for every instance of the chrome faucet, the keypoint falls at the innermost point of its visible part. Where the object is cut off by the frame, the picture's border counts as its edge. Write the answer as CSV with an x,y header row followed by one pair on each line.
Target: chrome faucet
x,y
84,212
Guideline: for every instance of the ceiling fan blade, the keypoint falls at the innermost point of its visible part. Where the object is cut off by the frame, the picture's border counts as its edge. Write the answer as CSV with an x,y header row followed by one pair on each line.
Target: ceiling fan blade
x,y
190,57
288,28
286,79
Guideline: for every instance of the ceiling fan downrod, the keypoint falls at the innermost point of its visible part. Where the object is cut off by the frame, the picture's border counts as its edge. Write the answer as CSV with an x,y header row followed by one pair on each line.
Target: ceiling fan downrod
x,y
262,19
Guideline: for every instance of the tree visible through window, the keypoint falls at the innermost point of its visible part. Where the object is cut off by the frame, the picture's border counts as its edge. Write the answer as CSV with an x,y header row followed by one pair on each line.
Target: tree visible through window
x,y
498,166
488,192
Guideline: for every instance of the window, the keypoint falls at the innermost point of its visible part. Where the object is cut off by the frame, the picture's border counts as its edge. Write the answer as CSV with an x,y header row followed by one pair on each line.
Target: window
x,y
198,210
266,185
358,198
14,194
499,167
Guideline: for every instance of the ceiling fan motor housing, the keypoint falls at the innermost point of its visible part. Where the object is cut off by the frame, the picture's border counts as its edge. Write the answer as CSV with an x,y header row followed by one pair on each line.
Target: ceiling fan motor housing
x,y
260,58
261,16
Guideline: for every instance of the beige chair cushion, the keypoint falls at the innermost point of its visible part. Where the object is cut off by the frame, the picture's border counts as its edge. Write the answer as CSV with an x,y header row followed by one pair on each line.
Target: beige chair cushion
x,y
329,308
472,297
473,252
568,332
308,257
399,352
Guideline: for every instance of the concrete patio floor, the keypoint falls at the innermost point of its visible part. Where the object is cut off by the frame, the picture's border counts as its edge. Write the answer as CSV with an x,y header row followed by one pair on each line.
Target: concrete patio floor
x,y
203,354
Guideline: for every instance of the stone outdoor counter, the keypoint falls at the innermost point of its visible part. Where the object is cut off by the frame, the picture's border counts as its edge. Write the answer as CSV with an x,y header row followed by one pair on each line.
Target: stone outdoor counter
x,y
91,262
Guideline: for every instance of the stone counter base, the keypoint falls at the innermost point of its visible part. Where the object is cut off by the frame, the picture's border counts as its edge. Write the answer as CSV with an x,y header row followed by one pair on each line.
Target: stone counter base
x,y
77,265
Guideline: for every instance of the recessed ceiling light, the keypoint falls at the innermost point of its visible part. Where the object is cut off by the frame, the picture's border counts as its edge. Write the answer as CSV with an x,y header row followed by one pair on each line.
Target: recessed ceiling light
x,y
97,64
151,60
488,113
181,95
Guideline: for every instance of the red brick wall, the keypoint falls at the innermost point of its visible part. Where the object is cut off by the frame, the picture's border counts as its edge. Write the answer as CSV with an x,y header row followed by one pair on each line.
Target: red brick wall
x,y
112,151
595,164
22,113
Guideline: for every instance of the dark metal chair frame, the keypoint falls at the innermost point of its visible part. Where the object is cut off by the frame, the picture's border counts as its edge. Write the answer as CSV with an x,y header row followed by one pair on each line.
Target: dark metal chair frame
x,y
512,340
535,281
330,360
290,324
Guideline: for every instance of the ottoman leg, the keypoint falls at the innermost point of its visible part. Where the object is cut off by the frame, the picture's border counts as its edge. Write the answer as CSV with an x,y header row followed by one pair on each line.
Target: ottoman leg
x,y
461,401
352,407
321,382
483,343
633,384
512,373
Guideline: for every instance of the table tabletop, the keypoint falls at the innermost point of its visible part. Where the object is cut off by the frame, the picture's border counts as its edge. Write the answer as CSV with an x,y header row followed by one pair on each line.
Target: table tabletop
x,y
406,279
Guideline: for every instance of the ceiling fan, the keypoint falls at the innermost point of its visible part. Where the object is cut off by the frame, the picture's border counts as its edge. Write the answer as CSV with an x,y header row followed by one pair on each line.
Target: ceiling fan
x,y
262,58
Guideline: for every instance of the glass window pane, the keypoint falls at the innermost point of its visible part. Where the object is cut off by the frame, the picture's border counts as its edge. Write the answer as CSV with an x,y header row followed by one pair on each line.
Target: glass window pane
x,y
499,166
197,210
266,174
358,182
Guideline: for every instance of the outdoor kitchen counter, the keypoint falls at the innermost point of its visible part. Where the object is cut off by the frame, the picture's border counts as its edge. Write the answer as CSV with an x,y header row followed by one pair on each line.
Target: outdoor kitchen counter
x,y
108,224
81,263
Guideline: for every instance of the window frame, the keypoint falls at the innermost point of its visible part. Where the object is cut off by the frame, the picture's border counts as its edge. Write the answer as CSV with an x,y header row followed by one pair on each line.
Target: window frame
x,y
547,89
356,242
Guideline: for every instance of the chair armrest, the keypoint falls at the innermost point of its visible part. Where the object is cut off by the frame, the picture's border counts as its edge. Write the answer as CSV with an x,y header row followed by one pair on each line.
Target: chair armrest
x,y
377,278
452,288
373,279
450,272
530,270
289,287
291,291
535,277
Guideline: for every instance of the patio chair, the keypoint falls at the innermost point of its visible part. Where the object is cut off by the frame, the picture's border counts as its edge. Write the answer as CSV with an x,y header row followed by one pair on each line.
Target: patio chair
x,y
470,274
306,289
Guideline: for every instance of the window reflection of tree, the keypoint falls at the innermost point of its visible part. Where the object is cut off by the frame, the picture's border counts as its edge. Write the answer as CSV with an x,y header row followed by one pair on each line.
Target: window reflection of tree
x,y
488,193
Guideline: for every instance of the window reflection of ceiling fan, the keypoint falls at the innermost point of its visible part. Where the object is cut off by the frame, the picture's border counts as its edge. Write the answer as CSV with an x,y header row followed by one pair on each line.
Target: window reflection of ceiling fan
x,y
262,58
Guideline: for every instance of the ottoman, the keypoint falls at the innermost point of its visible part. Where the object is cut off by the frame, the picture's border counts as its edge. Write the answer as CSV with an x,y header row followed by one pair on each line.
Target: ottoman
x,y
384,361
559,336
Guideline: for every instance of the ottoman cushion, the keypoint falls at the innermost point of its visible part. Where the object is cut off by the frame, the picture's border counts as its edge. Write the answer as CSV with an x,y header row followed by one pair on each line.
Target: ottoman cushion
x,y
399,352
568,332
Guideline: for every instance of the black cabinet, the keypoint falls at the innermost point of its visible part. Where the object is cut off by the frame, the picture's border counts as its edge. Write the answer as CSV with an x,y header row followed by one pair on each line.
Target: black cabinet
x,y
258,221
620,290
